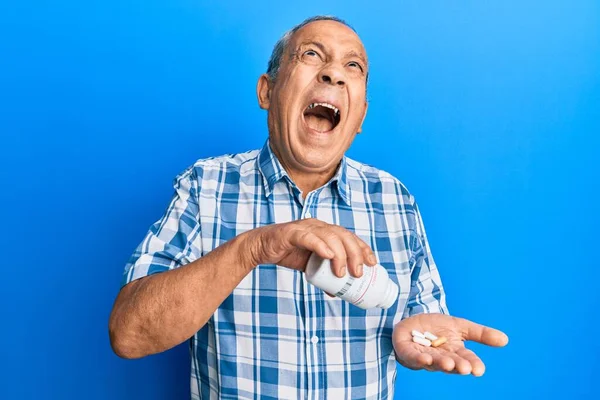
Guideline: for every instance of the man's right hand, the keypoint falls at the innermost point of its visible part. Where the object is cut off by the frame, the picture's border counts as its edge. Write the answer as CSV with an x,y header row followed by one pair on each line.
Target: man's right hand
x,y
291,244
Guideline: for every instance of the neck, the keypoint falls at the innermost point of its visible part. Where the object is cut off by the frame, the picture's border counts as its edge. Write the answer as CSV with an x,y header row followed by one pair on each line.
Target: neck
x,y
306,181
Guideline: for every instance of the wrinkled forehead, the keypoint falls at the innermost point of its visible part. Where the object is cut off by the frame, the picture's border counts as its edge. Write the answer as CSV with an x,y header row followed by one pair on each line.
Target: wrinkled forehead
x,y
331,34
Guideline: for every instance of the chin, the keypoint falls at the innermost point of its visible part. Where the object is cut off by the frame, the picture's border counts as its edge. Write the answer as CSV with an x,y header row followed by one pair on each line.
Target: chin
x,y
316,159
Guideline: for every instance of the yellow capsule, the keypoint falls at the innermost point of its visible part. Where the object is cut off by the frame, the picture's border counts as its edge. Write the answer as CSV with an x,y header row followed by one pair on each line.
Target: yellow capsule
x,y
439,341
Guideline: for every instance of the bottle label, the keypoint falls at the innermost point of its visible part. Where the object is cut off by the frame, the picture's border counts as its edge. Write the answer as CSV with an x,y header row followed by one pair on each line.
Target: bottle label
x,y
355,288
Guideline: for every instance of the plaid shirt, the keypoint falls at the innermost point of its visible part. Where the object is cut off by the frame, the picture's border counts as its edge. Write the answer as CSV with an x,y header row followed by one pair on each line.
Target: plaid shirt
x,y
277,336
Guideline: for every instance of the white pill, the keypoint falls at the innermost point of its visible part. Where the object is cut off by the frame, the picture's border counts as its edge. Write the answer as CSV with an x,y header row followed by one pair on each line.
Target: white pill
x,y
416,333
422,341
430,336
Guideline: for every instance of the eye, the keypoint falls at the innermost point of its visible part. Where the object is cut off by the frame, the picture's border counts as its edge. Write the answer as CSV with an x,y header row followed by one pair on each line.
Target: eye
x,y
312,57
354,64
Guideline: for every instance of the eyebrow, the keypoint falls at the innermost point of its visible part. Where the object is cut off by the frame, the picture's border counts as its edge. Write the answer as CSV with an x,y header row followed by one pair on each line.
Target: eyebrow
x,y
318,44
353,53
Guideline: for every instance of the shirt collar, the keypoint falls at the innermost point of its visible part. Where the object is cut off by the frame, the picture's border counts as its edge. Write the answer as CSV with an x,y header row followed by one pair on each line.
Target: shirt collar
x,y
272,172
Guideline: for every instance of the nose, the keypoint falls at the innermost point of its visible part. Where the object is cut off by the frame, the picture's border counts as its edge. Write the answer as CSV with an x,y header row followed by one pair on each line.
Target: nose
x,y
332,76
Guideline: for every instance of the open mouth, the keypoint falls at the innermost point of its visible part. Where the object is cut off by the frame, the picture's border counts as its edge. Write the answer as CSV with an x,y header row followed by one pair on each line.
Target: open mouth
x,y
322,117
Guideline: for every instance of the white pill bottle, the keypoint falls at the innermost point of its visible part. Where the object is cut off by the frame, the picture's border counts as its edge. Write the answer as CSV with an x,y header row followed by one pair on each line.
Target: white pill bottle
x,y
373,289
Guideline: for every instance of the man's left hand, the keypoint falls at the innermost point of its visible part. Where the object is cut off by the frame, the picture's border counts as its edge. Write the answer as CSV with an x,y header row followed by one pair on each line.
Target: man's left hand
x,y
450,357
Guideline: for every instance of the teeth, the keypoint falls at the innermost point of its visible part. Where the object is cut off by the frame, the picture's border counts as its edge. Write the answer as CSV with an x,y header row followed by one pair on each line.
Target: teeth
x,y
334,108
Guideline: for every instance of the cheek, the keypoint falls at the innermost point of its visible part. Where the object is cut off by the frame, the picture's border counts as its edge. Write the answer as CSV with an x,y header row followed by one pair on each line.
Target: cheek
x,y
358,101
358,93
301,76
356,116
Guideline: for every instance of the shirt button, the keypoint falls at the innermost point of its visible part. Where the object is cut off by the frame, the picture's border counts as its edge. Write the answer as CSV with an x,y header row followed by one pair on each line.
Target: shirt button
x,y
314,339
307,215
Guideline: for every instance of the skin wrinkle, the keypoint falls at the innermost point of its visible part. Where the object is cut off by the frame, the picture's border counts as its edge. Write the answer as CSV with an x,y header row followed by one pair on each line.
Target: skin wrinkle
x,y
295,55
283,43
311,160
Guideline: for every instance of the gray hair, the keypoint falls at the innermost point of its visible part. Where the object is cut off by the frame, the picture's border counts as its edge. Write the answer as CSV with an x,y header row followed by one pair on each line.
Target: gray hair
x,y
282,44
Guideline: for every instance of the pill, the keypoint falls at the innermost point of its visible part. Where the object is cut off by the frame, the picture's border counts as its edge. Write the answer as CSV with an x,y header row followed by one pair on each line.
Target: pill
x,y
430,336
439,341
423,341
416,333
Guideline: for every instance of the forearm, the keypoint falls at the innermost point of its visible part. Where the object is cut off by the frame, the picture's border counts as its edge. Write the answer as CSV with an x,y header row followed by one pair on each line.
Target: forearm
x,y
161,311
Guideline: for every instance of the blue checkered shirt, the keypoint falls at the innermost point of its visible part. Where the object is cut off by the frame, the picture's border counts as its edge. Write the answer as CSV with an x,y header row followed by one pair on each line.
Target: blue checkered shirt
x,y
277,336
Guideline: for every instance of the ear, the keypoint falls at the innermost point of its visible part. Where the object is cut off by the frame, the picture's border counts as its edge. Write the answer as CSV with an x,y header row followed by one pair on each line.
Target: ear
x,y
363,119
263,91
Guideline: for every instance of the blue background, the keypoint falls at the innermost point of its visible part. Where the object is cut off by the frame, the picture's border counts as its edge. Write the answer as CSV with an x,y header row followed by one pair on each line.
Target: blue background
x,y
488,111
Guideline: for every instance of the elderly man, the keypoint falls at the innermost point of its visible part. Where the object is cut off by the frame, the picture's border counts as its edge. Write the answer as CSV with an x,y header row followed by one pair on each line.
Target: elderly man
x,y
224,264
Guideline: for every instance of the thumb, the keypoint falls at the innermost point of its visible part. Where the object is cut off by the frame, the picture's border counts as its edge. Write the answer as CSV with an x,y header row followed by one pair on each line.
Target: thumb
x,y
482,334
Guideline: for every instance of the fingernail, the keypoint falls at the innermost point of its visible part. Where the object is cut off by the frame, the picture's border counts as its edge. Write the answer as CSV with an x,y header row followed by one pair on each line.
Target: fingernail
x,y
342,271
373,259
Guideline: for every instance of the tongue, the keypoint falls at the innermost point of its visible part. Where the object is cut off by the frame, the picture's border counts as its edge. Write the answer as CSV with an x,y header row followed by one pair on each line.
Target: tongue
x,y
318,122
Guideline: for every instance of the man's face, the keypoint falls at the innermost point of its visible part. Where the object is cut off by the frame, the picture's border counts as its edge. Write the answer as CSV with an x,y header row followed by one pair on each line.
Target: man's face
x,y
318,101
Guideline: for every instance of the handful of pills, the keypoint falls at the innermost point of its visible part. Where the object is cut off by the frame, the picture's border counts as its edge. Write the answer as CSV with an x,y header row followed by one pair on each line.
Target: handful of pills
x,y
428,339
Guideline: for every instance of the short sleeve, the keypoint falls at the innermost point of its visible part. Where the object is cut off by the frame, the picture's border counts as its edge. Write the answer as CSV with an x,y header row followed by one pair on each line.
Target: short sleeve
x,y
174,240
426,292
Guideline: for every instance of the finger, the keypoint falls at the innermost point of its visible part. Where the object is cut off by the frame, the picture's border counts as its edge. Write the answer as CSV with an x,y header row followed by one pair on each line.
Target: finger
x,y
432,369
442,362
477,366
354,254
309,241
481,334
411,358
368,255
461,365
338,262
424,360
